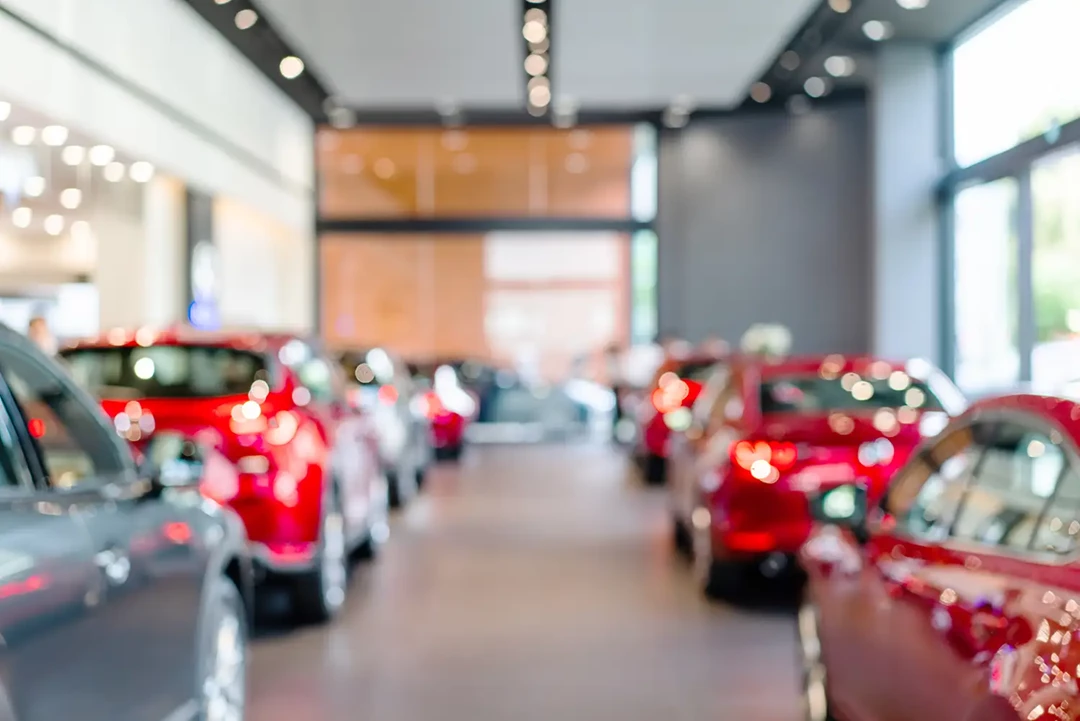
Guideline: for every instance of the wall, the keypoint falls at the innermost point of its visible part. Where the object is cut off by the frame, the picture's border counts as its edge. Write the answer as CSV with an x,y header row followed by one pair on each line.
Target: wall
x,y
167,89
765,218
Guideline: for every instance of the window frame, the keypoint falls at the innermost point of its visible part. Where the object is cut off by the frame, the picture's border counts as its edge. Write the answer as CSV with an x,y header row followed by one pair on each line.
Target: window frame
x,y
1030,421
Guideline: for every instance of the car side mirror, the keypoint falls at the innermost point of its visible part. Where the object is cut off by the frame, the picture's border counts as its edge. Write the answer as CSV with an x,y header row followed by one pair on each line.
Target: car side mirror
x,y
844,506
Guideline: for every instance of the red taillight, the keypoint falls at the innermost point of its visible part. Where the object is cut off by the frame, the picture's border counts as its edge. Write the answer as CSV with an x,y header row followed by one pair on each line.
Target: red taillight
x,y
36,426
672,393
764,460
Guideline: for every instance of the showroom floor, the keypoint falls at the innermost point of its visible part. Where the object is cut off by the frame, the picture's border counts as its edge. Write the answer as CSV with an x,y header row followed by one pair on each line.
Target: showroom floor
x,y
530,583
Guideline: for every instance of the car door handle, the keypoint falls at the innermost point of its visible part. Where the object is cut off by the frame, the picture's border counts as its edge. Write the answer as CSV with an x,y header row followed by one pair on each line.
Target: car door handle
x,y
115,564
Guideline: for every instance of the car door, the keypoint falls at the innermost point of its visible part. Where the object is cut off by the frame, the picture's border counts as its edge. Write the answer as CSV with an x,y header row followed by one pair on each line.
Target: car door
x,y
685,447
146,545
47,579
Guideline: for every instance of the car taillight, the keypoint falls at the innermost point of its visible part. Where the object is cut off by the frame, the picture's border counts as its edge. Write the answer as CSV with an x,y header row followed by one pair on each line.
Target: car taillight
x,y
764,460
671,394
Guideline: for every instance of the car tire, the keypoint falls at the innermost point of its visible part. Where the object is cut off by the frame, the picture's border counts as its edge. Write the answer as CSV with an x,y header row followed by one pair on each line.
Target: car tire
x,y
222,654
319,594
654,470
816,706
449,453
681,537
719,580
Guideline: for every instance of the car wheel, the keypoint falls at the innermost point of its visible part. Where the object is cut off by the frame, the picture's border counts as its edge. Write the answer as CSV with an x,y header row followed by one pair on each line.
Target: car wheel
x,y
223,655
681,537
449,453
378,527
320,594
815,694
655,470
718,579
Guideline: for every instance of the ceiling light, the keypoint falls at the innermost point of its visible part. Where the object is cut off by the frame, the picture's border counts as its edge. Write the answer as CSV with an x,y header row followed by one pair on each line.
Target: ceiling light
x,y
576,163
384,168
54,224
102,155
536,64
534,31
815,87
877,30
114,172
455,140
676,117
540,95
789,60
535,111
23,135
342,118
141,171
840,6
80,229
840,66
73,155
579,139
291,67
5,110
541,47
913,4
760,92
464,163
34,186
536,15
222,2
22,217
54,135
246,18
71,198
799,105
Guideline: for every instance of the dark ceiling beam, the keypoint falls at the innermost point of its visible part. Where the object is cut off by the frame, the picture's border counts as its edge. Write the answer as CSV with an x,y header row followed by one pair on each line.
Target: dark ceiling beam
x,y
585,116
819,30
265,48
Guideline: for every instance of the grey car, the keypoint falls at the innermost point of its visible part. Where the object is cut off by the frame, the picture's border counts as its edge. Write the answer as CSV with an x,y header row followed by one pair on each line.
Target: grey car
x,y
124,593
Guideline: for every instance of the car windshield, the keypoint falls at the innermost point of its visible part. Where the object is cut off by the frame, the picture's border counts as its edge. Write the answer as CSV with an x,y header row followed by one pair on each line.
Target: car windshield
x,y
166,371
813,394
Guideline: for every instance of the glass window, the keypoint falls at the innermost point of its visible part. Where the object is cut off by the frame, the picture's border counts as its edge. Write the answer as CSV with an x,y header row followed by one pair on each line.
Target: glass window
x,y
986,295
644,262
1055,268
1016,79
1059,527
925,494
74,444
1011,486
166,371
813,394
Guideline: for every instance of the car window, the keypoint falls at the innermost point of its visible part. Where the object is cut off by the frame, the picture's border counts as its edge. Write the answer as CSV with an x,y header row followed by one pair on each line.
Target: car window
x,y
850,392
314,372
1012,485
14,471
74,445
925,495
710,393
728,407
1058,528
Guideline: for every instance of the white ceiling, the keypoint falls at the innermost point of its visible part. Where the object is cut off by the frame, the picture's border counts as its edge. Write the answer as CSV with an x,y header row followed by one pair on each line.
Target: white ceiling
x,y
606,53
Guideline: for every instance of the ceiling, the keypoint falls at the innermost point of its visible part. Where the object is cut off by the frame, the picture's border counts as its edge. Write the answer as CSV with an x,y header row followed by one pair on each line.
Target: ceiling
x,y
615,54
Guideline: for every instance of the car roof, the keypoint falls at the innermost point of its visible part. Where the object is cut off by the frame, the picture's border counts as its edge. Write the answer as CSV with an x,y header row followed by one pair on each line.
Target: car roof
x,y
814,364
256,341
1063,412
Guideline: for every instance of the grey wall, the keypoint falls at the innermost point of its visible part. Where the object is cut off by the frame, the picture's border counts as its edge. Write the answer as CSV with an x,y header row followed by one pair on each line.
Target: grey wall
x,y
766,219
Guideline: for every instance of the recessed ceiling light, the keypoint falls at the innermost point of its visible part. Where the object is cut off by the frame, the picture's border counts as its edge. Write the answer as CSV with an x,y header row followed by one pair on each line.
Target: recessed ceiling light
x,y
54,135
114,172
384,168
913,4
23,135
22,217
102,155
536,64
73,155
54,224
291,67
141,171
71,198
790,60
760,92
537,15
815,87
840,6
676,118
534,31
342,118
799,105
246,18
576,163
222,2
877,30
840,66
34,186
540,95
5,110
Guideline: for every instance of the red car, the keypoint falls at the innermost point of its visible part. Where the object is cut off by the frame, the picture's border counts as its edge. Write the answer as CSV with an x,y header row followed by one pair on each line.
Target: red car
x,y
957,596
767,434
449,408
671,395
307,484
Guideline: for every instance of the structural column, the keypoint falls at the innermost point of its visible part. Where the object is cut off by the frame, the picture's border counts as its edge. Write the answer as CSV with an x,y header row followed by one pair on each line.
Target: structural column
x,y
906,123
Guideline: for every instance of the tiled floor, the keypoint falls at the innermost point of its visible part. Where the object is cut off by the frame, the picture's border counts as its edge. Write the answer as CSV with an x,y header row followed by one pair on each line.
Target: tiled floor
x,y
530,583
